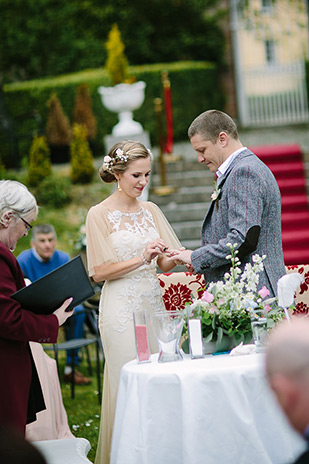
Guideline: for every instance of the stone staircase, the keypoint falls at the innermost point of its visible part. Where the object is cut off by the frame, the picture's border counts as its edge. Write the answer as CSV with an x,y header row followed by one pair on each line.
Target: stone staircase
x,y
185,209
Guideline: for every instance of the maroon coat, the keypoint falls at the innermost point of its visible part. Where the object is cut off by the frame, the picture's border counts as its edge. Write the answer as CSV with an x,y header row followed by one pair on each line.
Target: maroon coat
x,y
20,390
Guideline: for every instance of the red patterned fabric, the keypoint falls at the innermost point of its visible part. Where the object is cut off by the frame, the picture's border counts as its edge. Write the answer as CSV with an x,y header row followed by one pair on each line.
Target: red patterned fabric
x,y
179,287
175,297
302,295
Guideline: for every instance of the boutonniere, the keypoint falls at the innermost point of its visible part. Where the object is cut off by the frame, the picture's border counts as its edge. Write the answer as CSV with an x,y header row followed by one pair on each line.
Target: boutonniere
x,y
215,194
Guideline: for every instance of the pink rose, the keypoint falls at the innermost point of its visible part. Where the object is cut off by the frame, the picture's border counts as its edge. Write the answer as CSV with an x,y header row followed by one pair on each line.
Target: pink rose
x,y
267,308
207,296
264,292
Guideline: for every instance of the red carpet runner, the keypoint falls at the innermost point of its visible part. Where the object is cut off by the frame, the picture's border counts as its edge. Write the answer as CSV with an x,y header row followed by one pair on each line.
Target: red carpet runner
x,y
286,163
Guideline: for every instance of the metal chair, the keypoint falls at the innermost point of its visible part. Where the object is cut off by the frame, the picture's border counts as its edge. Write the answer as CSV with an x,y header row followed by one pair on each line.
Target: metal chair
x,y
77,343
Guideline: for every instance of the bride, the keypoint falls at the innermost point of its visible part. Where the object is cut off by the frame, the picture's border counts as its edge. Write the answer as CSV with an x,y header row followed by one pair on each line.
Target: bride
x,y
126,240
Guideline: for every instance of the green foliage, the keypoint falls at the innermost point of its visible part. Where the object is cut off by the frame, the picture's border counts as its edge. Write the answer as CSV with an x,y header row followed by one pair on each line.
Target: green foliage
x,y
81,157
188,100
58,129
116,63
39,161
82,113
53,192
35,34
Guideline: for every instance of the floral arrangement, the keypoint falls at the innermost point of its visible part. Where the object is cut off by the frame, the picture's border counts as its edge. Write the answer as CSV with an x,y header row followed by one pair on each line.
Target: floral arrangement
x,y
228,307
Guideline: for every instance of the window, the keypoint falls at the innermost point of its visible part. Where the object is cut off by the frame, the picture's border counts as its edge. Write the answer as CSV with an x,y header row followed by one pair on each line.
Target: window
x,y
270,52
267,6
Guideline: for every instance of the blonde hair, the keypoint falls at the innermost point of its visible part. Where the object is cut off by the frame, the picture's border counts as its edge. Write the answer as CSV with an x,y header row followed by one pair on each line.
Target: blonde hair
x,y
119,158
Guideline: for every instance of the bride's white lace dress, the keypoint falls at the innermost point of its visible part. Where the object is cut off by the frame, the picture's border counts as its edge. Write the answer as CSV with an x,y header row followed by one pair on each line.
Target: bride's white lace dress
x,y
115,236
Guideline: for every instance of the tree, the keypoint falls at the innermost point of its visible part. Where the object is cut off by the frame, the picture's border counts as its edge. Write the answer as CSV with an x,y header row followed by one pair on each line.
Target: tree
x,y
82,113
81,157
58,130
49,37
39,161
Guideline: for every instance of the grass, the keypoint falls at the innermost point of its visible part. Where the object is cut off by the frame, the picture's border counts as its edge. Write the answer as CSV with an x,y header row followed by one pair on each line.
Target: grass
x,y
84,411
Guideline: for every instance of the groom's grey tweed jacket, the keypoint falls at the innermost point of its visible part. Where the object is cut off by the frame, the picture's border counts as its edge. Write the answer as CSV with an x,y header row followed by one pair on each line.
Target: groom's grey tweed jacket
x,y
247,213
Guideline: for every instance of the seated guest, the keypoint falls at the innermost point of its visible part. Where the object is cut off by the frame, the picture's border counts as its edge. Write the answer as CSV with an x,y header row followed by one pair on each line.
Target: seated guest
x,y
287,368
20,388
39,260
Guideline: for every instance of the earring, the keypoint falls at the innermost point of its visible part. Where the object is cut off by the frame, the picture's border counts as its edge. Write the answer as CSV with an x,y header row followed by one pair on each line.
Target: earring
x,y
119,188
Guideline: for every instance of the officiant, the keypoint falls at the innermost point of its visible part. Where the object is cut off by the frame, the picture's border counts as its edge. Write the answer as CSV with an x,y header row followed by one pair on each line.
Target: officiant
x,y
246,204
20,390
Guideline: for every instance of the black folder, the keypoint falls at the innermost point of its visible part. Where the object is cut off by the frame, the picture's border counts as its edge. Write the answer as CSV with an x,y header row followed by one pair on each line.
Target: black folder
x,y
48,293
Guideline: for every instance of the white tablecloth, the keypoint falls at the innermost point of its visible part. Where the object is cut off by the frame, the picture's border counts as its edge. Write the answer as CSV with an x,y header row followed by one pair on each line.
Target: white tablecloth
x,y
217,410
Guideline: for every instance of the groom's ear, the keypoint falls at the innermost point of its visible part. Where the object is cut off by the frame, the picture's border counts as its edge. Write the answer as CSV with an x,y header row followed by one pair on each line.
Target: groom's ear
x,y
223,138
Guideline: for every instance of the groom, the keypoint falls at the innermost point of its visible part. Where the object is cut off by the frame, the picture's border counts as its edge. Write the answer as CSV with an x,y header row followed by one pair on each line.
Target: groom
x,y
246,204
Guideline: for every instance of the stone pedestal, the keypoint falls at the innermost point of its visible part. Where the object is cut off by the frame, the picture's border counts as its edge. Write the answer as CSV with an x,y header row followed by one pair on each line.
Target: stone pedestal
x,y
143,137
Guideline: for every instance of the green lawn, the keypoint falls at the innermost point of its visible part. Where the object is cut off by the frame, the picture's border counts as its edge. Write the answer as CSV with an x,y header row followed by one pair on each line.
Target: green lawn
x,y
84,410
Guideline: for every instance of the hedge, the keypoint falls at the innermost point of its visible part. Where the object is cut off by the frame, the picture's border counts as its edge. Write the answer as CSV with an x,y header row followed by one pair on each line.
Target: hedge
x,y
194,86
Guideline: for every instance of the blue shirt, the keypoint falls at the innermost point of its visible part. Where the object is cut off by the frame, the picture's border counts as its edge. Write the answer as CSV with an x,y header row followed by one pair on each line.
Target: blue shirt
x,y
34,268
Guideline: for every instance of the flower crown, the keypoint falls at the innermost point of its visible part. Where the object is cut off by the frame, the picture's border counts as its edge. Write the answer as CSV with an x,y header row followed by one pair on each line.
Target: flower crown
x,y
120,157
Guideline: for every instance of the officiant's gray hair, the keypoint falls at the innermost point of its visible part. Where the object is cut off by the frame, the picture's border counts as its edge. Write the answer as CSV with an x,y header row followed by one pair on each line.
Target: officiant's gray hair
x,y
16,198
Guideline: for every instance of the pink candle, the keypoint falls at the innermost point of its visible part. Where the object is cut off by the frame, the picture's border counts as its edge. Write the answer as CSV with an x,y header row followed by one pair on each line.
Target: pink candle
x,y
142,342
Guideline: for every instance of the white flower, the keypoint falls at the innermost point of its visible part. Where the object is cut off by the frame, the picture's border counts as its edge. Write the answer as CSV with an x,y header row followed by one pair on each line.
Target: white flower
x,y
119,152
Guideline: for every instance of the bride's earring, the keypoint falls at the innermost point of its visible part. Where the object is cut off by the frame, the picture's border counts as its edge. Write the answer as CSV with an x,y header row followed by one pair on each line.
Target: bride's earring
x,y
119,188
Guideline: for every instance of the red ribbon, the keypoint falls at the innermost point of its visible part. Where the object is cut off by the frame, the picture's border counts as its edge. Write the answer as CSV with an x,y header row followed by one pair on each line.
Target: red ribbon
x,y
168,115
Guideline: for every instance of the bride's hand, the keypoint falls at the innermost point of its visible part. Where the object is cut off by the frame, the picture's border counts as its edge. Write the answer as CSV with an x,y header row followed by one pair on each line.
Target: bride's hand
x,y
153,249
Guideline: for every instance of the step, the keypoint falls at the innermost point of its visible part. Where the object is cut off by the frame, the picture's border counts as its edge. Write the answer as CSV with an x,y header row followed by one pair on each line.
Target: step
x,y
292,185
295,239
192,244
184,195
273,153
294,203
296,257
185,212
190,230
295,219
287,170
185,179
181,165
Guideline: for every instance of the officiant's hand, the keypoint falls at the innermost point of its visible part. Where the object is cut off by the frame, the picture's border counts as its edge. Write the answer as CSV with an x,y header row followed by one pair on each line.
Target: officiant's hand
x,y
61,313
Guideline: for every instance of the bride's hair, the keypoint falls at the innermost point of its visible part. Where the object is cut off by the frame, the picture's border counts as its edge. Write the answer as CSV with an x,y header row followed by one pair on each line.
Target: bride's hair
x,y
119,158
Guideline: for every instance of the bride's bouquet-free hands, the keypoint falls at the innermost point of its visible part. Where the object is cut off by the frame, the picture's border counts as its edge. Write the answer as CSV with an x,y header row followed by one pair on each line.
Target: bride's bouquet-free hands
x,y
153,249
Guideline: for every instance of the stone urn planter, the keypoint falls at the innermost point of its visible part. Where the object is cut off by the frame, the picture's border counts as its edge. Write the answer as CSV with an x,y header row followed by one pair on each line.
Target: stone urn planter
x,y
124,99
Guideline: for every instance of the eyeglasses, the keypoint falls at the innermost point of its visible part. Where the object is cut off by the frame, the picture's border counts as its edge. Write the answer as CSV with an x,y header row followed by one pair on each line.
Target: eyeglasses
x,y
28,226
